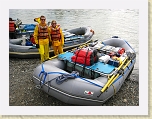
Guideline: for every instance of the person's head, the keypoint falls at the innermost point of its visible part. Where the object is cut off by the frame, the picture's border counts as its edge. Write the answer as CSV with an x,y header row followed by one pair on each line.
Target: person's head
x,y
10,19
42,18
53,23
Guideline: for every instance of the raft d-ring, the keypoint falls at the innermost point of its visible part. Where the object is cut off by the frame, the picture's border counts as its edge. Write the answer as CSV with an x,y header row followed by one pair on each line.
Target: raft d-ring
x,y
38,86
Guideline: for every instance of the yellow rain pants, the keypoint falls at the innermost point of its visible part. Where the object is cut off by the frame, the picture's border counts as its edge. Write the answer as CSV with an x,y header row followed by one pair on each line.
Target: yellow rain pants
x,y
43,45
44,52
57,49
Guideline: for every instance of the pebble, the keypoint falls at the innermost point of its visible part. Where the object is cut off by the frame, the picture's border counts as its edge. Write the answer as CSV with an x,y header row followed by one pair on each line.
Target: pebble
x,y
125,100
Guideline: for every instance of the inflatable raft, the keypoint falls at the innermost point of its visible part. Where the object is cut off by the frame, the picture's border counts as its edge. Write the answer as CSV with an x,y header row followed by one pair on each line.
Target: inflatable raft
x,y
25,29
87,75
19,48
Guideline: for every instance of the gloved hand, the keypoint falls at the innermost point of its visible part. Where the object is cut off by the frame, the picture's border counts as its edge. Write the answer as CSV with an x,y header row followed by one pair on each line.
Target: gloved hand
x,y
50,43
37,46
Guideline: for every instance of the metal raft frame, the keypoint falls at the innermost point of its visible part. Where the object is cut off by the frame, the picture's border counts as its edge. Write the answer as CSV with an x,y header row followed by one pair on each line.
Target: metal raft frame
x,y
112,76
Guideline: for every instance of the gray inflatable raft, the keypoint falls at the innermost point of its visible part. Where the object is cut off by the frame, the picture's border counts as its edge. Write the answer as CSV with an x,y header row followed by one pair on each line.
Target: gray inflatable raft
x,y
73,38
77,84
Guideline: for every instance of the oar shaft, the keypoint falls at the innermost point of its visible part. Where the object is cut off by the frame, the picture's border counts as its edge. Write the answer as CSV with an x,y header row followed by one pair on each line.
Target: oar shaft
x,y
106,85
113,80
127,64
114,77
122,64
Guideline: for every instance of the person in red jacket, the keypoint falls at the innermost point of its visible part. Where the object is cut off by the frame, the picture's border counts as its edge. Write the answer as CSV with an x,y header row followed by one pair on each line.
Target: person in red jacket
x,y
12,29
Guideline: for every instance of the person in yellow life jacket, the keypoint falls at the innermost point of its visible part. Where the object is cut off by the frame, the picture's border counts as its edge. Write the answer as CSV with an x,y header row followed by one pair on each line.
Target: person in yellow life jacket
x,y
12,29
57,37
37,20
42,39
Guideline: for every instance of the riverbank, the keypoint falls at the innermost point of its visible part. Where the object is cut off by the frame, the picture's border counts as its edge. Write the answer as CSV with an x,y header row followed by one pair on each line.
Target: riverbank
x,y
22,90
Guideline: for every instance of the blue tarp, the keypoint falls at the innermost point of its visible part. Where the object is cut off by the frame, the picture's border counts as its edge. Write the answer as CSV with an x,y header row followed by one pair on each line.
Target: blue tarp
x,y
99,66
29,27
66,56
28,43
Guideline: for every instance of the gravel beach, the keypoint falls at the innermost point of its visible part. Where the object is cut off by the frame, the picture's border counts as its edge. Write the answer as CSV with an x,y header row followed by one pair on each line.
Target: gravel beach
x,y
22,90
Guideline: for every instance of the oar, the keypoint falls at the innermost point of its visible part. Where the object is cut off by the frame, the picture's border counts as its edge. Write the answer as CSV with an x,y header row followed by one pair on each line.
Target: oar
x,y
50,58
106,85
112,79
119,74
126,64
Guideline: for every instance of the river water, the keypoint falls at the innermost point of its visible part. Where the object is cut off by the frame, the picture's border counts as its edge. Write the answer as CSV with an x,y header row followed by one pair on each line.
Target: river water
x,y
105,22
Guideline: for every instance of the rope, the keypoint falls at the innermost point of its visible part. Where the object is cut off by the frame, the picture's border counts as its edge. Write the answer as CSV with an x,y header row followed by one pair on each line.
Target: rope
x,y
63,77
44,74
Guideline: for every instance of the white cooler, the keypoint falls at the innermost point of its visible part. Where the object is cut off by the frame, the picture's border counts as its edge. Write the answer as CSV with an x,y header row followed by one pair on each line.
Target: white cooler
x,y
104,58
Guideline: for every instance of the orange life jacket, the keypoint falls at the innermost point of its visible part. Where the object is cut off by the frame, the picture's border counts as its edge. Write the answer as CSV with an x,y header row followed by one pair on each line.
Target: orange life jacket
x,y
55,33
43,32
11,26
